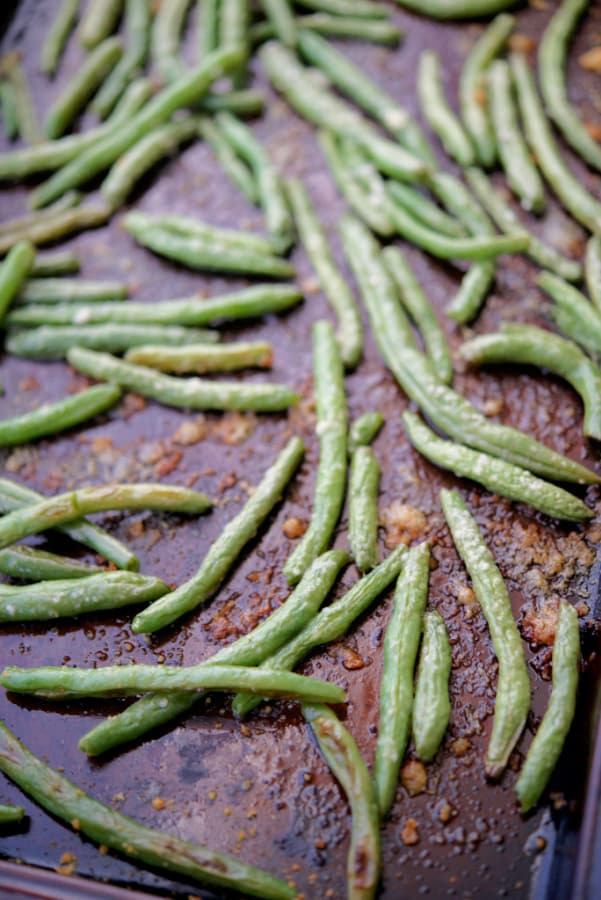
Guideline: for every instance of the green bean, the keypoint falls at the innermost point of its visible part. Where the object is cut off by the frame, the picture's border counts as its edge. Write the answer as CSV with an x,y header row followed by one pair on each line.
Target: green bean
x,y
574,310
54,154
237,171
513,687
364,482
280,14
29,128
227,547
143,156
82,86
461,204
71,290
496,475
568,189
13,273
58,225
233,32
15,496
545,749
420,309
351,80
58,35
57,599
48,265
365,204
249,102
107,827
344,759
51,418
592,270
431,705
137,24
457,9
325,110
99,21
438,113
364,9
246,303
349,333
472,293
533,346
472,84
401,644
448,410
26,220
29,564
423,209
332,424
272,195
375,30
552,53
522,174
154,710
505,218
364,430
167,31
182,393
371,186
53,342
208,18
63,509
186,91
200,358
10,813
195,228
331,623
10,119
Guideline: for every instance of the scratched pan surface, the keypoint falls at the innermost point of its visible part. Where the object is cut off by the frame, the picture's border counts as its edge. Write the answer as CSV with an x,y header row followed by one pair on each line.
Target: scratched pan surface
x,y
262,791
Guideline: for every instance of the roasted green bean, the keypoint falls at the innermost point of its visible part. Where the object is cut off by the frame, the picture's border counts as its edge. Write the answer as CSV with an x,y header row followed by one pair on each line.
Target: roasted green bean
x,y
203,357
573,313
99,21
592,270
58,225
437,112
431,704
364,480
10,813
363,9
423,209
58,35
364,430
137,25
236,170
30,564
71,290
13,273
280,14
49,342
208,19
49,265
457,9
29,128
167,29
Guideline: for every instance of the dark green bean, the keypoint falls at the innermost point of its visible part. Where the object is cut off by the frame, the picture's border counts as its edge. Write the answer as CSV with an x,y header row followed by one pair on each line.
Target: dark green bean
x,y
10,119
13,273
364,481
574,314
58,225
431,705
30,564
10,814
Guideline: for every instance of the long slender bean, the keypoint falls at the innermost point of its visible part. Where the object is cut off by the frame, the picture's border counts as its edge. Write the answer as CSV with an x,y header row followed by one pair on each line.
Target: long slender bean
x,y
460,202
186,91
234,16
48,600
137,24
568,189
9,813
167,31
472,293
104,825
49,342
331,623
58,35
154,710
507,221
377,31
31,564
496,475
82,86
364,480
522,174
99,21
247,102
401,644
13,273
513,686
71,290
58,225
592,270
552,54
182,393
227,547
280,14
545,750
457,9
49,265
139,159
66,508
29,127
246,303
371,186
208,18
349,333
24,221
573,309
437,112
200,358
364,430
448,410
236,170
10,119
332,424
52,418
15,496
195,228
431,705
423,209
344,759
420,309
472,84
527,344
364,9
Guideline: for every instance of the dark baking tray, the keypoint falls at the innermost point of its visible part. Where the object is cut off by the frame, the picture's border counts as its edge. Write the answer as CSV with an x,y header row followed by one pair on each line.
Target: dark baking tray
x,y
276,804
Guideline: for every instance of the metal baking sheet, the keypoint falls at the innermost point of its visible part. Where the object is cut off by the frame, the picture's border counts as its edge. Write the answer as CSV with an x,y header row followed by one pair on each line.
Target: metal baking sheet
x,y
262,791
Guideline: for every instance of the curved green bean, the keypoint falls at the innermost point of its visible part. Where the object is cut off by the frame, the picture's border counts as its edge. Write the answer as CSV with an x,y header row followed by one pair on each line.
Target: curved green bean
x,y
332,424
457,9
227,547
280,14
574,315
423,209
247,102
431,704
371,187
31,564
71,290
545,749
195,228
58,225
236,170
104,825
364,480
592,270
344,759
437,112
472,293
167,29
513,686
48,600
10,813
234,18
58,35
208,26
27,119
137,25
461,204
375,30
49,265
48,342
13,273
401,643
363,9
99,21
51,418
203,357
364,430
